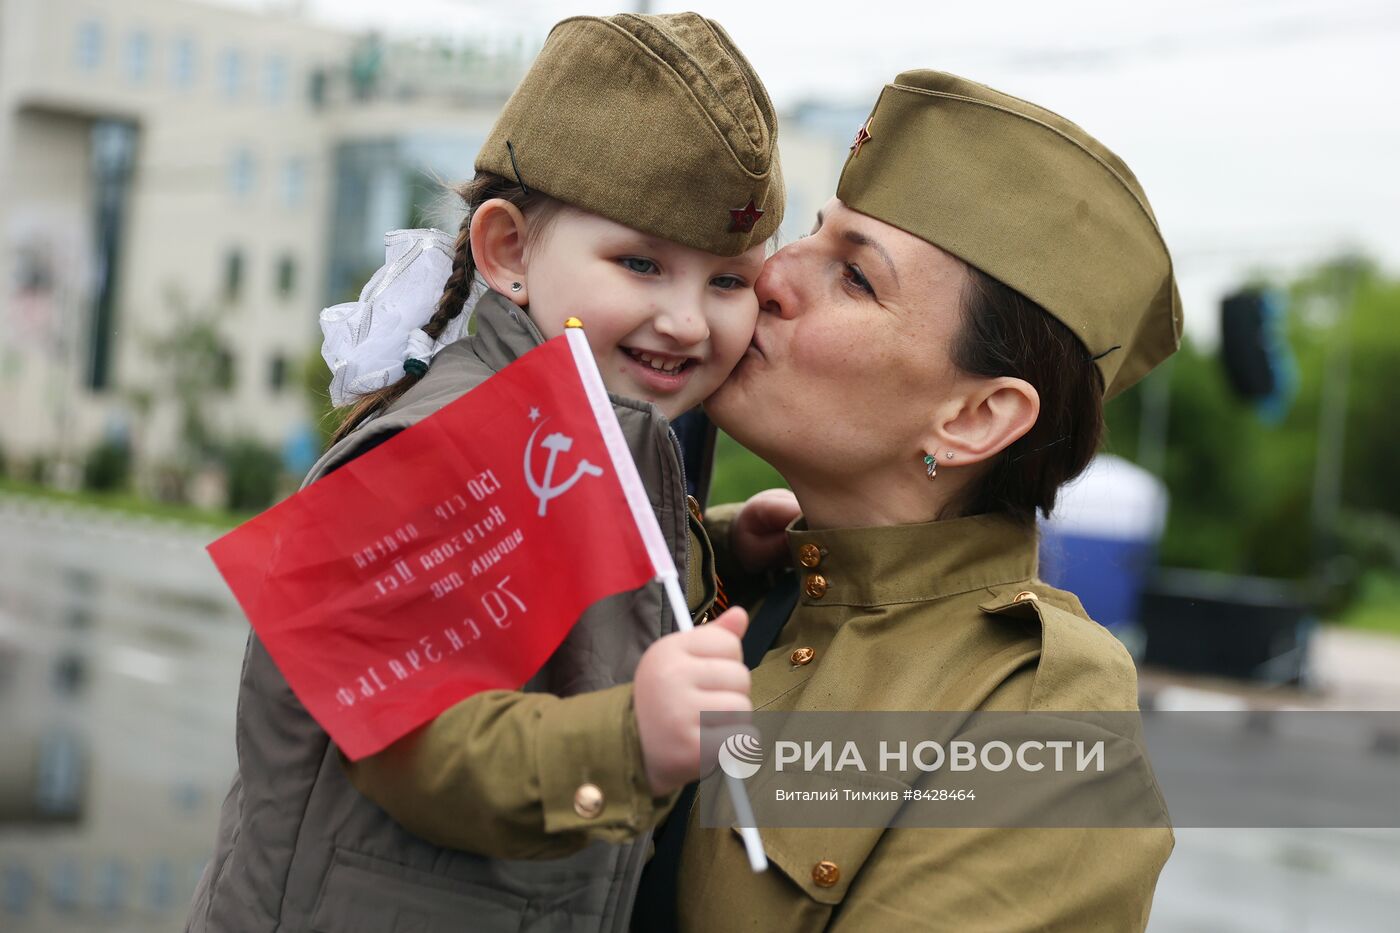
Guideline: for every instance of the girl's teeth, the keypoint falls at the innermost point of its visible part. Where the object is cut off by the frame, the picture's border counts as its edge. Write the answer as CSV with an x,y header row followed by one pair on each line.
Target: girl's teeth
x,y
658,364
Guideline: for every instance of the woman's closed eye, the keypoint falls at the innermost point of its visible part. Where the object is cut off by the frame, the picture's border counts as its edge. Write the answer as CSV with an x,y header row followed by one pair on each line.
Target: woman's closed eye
x,y
640,265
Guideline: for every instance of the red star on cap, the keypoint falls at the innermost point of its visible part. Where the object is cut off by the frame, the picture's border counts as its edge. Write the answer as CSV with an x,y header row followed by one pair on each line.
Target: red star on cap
x,y
862,137
742,219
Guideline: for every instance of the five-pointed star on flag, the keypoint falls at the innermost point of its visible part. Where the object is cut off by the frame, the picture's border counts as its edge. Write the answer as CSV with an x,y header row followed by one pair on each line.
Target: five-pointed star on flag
x,y
862,137
742,219
534,414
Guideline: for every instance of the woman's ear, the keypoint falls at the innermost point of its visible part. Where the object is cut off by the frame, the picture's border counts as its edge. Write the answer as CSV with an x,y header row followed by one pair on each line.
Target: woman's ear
x,y
993,415
498,248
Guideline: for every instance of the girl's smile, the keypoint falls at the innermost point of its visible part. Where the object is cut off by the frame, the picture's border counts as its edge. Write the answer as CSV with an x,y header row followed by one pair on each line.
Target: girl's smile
x,y
667,323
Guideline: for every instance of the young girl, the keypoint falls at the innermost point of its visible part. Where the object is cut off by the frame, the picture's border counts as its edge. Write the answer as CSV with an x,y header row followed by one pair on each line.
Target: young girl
x,y
631,181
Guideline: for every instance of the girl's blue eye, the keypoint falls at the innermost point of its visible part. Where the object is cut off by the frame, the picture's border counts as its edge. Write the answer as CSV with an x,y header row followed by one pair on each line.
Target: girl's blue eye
x,y
639,265
728,282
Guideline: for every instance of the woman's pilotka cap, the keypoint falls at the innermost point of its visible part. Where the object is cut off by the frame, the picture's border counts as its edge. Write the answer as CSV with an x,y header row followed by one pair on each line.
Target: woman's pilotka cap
x,y
1032,200
656,122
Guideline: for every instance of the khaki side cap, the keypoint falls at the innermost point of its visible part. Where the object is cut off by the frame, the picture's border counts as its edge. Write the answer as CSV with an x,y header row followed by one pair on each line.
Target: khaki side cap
x,y
655,122
1031,199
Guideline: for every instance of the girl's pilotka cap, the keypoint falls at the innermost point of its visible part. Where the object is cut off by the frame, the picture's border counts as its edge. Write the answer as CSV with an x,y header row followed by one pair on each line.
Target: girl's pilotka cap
x,y
656,122
1032,200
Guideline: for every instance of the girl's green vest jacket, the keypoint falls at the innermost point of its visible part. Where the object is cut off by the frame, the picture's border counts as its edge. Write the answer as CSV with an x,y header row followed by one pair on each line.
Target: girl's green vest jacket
x,y
299,848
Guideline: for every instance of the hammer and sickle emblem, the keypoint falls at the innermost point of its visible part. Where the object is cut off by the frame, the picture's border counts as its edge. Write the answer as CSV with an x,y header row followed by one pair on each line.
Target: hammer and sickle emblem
x,y
556,444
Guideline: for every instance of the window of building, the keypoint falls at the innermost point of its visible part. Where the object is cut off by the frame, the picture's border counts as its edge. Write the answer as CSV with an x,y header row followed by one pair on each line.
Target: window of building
x,y
275,79
242,173
224,370
294,183
138,56
277,373
113,146
286,275
231,73
90,45
316,88
182,63
233,274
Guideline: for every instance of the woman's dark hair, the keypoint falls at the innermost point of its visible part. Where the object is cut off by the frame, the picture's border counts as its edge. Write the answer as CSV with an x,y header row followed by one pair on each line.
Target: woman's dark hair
x,y
456,290
1004,333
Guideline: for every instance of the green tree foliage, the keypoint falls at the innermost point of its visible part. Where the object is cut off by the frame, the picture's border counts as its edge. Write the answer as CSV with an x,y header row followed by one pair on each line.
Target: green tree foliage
x,y
316,384
1242,491
254,474
107,467
739,473
1373,443
195,366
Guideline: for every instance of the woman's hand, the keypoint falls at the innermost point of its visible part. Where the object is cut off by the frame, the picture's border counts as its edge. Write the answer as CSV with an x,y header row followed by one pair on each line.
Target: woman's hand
x,y
680,676
758,536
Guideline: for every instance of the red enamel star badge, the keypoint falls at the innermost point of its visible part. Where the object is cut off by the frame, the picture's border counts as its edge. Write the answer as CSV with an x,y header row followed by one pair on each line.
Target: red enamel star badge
x,y
862,137
742,219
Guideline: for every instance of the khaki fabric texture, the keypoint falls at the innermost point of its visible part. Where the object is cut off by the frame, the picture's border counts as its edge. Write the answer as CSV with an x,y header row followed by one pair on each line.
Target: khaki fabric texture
x,y
934,616
1032,200
655,122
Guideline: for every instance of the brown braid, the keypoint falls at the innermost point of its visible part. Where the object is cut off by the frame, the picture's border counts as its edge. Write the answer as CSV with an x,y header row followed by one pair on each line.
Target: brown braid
x,y
457,289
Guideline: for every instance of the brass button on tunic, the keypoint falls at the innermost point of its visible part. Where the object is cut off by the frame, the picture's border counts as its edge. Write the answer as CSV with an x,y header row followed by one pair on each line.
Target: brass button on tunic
x,y
809,555
815,586
803,656
826,873
588,801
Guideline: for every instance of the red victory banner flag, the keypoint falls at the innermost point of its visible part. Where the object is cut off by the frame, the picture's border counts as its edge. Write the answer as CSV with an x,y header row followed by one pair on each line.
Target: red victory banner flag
x,y
453,558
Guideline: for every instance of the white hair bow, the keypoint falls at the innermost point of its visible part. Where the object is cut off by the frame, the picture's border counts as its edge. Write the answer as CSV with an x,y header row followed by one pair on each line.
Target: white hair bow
x,y
367,341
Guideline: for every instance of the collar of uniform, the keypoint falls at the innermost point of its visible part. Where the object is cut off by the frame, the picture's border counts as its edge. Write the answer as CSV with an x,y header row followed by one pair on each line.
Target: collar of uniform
x,y
909,563
506,331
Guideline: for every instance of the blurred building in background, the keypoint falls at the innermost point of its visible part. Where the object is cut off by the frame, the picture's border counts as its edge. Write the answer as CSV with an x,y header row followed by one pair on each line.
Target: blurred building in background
x,y
182,187
163,162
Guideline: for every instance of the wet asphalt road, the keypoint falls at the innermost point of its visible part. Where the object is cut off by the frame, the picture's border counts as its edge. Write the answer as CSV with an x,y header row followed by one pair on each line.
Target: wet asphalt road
x,y
120,641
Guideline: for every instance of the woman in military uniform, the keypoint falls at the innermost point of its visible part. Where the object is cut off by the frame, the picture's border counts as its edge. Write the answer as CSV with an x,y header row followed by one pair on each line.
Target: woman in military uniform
x,y
929,368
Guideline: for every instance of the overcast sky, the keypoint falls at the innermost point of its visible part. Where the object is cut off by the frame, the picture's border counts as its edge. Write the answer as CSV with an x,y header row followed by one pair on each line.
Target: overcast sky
x,y
1266,132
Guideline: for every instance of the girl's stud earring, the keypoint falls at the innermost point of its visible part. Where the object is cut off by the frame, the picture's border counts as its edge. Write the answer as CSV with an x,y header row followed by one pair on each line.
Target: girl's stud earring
x,y
931,463
516,286
949,455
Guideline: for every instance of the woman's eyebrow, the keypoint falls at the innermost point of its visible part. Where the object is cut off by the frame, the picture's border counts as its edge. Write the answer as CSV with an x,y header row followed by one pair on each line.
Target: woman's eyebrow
x,y
860,239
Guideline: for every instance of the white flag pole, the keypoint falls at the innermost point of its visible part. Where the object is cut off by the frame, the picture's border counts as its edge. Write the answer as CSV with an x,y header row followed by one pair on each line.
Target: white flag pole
x,y
655,542
743,809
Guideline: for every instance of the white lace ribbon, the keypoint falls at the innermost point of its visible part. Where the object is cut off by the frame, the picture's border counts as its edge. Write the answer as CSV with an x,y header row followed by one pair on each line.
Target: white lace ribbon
x,y
367,341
